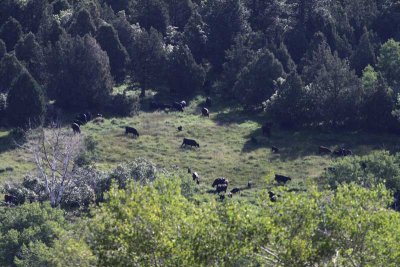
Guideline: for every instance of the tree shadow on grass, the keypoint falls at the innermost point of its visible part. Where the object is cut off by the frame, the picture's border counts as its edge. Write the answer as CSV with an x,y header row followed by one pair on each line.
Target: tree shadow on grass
x,y
299,144
7,143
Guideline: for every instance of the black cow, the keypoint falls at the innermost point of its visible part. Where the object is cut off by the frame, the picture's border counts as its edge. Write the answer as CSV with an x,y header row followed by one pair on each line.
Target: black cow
x,y
88,116
272,196
131,130
189,142
189,170
266,129
180,128
220,180
75,127
195,176
324,150
205,112
281,179
177,106
208,102
80,123
183,103
250,184
235,190
274,149
221,188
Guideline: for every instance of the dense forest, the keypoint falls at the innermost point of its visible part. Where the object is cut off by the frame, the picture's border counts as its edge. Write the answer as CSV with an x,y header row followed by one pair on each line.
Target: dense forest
x,y
260,83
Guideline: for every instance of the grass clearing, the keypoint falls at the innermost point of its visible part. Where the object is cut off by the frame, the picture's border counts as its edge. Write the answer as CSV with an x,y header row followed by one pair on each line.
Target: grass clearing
x,y
225,149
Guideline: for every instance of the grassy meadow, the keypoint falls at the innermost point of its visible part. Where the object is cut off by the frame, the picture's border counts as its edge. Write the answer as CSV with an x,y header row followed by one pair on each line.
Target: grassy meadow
x,y
225,149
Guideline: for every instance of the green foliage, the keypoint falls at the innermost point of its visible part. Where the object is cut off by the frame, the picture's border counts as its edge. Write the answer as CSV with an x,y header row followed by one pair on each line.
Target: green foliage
x,y
179,12
364,54
255,82
26,231
11,32
184,75
108,39
26,102
81,75
369,79
3,49
10,68
389,61
335,92
152,14
124,105
367,171
288,104
148,57
83,24
195,35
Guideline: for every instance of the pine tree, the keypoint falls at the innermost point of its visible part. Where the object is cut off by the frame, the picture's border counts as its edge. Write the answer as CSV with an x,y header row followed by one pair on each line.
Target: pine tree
x,y
364,54
108,39
10,68
83,24
30,53
152,13
255,83
26,102
11,32
179,12
195,36
184,74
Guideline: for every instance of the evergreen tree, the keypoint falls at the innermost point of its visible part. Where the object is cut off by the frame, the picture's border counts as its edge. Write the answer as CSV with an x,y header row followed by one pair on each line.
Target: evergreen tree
x,y
364,54
152,13
288,105
29,51
179,12
282,54
225,19
81,74
334,91
184,74
108,39
389,62
148,59
195,36
60,5
255,82
126,32
26,102
83,24
10,68
11,32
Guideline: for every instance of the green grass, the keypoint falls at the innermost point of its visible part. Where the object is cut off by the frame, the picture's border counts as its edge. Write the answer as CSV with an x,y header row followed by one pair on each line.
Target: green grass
x,y
225,146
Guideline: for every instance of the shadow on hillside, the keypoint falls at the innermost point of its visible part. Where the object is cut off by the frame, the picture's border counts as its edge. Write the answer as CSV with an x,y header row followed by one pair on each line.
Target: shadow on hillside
x,y
7,143
298,144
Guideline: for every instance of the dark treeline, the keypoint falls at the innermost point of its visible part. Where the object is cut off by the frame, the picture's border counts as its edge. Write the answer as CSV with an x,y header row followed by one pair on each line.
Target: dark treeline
x,y
307,63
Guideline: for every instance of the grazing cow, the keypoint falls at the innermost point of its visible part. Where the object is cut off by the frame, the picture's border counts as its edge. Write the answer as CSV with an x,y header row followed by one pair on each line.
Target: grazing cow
x,y
281,179
195,176
221,188
190,142
78,122
205,112
274,149
254,140
208,102
75,127
250,184
220,180
266,129
177,106
272,196
88,116
235,190
183,103
324,150
180,128
131,130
